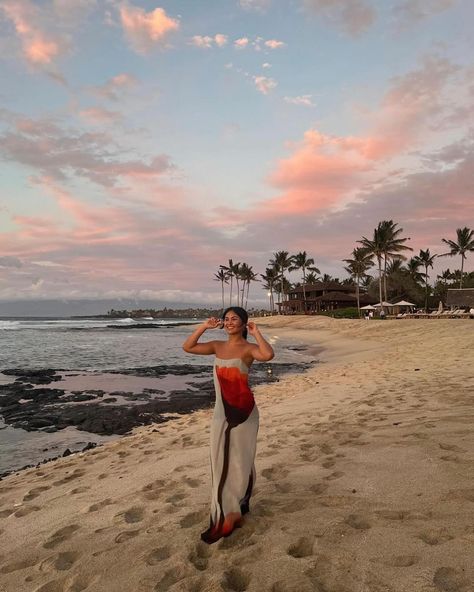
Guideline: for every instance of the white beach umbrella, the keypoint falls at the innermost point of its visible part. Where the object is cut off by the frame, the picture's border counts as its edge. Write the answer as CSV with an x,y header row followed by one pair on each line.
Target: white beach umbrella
x,y
384,304
440,307
368,307
403,303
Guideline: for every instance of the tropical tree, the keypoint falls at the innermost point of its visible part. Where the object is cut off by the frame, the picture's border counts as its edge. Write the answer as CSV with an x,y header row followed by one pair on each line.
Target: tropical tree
x,y
385,244
464,244
357,266
282,261
327,278
311,278
270,278
247,275
221,276
303,262
412,267
393,245
426,259
231,270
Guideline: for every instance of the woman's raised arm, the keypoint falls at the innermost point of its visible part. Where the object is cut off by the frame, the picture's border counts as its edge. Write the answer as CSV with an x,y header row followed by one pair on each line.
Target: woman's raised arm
x,y
263,351
191,345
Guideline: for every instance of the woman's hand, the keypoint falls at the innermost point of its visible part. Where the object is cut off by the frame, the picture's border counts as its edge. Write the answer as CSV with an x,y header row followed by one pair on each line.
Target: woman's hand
x,y
212,323
252,328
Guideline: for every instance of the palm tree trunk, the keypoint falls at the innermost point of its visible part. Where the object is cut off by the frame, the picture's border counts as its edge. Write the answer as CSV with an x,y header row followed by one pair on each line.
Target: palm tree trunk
x,y
230,295
462,270
380,282
223,305
426,288
304,289
281,291
357,295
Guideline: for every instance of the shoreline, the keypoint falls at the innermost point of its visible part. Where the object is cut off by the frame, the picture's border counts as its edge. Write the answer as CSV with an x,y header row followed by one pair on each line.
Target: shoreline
x,y
363,482
101,404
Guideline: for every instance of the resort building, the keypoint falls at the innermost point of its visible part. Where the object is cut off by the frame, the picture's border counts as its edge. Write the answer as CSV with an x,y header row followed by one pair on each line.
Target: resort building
x,y
322,297
460,298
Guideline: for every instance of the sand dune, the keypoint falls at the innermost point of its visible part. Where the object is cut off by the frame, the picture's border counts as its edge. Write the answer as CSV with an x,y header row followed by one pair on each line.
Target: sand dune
x,y
365,482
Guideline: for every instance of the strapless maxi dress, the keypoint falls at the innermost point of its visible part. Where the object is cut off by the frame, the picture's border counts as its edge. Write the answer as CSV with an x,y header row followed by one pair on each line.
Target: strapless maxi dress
x,y
234,431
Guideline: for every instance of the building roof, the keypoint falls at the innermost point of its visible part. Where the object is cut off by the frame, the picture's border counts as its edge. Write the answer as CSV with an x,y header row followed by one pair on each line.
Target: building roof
x,y
334,286
457,297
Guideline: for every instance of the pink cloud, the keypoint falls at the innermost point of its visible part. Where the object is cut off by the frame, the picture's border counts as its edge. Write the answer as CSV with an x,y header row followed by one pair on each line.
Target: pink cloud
x,y
274,44
145,30
241,43
114,88
264,84
99,116
39,47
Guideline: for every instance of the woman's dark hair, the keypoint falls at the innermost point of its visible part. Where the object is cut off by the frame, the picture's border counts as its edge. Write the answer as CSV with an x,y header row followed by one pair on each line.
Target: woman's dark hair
x,y
241,313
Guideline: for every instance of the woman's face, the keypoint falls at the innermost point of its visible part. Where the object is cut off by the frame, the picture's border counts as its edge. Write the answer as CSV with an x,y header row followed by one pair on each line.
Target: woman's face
x,y
233,323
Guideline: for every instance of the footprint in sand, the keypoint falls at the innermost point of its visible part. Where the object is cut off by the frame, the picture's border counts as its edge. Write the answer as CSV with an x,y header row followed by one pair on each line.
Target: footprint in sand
x,y
99,505
328,464
52,586
302,548
34,493
401,561
274,473
17,565
435,536
152,491
60,562
74,475
448,579
126,535
335,475
358,522
81,582
131,516
191,482
176,498
61,535
235,580
463,494
199,556
171,577
318,488
77,490
157,555
24,511
192,519
451,447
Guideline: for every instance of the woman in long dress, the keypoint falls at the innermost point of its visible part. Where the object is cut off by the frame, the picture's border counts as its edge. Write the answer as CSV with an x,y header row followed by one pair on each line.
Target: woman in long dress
x,y
235,422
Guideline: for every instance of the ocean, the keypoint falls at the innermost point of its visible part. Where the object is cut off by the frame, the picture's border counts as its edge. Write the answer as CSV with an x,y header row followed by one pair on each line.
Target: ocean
x,y
85,349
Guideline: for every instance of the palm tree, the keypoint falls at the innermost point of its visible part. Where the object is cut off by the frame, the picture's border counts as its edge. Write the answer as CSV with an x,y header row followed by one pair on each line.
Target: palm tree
x,y
393,245
425,258
412,267
303,262
385,244
357,266
311,278
282,261
221,276
247,275
327,278
270,277
464,244
231,271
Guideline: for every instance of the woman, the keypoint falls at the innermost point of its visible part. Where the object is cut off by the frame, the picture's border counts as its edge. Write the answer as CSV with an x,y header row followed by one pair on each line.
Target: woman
x,y
235,422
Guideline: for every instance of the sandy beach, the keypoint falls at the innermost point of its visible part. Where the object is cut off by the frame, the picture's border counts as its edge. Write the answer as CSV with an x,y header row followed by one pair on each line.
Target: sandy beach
x,y
365,482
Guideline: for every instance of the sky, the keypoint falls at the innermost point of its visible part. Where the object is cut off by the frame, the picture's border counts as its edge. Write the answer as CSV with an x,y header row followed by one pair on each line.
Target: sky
x,y
143,144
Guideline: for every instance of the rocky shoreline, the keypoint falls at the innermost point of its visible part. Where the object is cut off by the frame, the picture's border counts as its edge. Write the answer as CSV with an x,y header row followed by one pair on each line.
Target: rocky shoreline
x,y
35,401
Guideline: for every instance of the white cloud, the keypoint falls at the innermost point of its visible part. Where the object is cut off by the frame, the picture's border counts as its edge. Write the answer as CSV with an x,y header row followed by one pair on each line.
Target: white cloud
x,y
264,84
266,65
300,100
200,41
